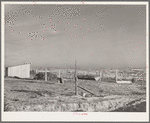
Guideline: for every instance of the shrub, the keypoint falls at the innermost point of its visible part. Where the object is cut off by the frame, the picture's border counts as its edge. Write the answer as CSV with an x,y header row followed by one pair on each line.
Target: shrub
x,y
32,73
41,76
51,76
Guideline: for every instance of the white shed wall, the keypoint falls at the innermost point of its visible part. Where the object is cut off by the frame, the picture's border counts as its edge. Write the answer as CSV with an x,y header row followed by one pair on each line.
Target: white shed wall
x,y
22,71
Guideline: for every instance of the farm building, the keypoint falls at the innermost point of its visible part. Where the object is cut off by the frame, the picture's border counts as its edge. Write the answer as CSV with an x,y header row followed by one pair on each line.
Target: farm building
x,y
21,71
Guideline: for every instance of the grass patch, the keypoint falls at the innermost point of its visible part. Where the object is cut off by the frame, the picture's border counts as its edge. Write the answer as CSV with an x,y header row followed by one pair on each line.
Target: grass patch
x,y
21,95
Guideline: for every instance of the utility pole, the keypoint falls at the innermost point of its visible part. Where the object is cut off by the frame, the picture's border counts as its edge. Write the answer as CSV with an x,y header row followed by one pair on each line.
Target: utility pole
x,y
76,91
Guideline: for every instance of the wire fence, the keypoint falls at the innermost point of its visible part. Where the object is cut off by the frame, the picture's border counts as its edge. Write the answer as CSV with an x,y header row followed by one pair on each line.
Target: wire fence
x,y
104,74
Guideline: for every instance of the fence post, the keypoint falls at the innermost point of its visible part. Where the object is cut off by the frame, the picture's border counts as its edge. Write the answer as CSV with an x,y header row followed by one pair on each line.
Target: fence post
x,y
59,79
36,71
76,90
116,75
59,73
45,74
85,72
100,75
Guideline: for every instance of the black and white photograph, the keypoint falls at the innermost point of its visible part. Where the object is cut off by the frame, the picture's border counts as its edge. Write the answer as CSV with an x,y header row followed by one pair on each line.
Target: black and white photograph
x,y
82,59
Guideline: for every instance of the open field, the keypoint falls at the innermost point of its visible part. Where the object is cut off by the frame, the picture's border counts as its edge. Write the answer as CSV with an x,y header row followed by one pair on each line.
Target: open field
x,y
36,95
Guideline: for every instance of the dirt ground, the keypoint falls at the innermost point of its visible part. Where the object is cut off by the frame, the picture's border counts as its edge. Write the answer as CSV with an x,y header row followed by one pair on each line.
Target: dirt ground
x,y
33,95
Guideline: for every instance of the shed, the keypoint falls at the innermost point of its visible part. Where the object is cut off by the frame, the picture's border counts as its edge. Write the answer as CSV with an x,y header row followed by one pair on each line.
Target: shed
x,y
21,71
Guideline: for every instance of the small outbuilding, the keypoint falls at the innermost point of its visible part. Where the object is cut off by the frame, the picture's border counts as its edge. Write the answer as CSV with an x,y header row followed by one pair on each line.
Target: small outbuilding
x,y
21,71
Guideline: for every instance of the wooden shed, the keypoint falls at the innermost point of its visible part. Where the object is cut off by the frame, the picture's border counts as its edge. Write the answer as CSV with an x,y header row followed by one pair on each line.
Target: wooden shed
x,y
21,71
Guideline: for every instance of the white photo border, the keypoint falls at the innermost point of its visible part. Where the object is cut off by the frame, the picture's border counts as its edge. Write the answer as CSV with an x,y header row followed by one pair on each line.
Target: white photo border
x,y
68,116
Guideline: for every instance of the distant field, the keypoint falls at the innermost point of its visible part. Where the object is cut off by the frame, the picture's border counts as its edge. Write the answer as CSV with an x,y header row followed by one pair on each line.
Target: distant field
x,y
33,95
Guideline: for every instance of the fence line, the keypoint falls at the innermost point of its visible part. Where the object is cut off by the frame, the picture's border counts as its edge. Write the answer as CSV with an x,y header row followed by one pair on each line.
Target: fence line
x,y
103,74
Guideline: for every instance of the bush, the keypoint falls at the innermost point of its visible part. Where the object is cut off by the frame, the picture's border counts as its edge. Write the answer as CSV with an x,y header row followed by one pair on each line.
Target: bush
x,y
51,76
41,76
32,73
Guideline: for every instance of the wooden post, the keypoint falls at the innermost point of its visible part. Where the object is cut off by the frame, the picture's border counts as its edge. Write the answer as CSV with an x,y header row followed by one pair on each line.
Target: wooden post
x,y
45,74
59,79
36,71
59,73
116,75
85,72
87,90
100,75
76,93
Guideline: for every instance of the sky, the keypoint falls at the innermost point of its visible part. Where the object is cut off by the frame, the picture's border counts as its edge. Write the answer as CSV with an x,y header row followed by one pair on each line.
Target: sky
x,y
96,36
